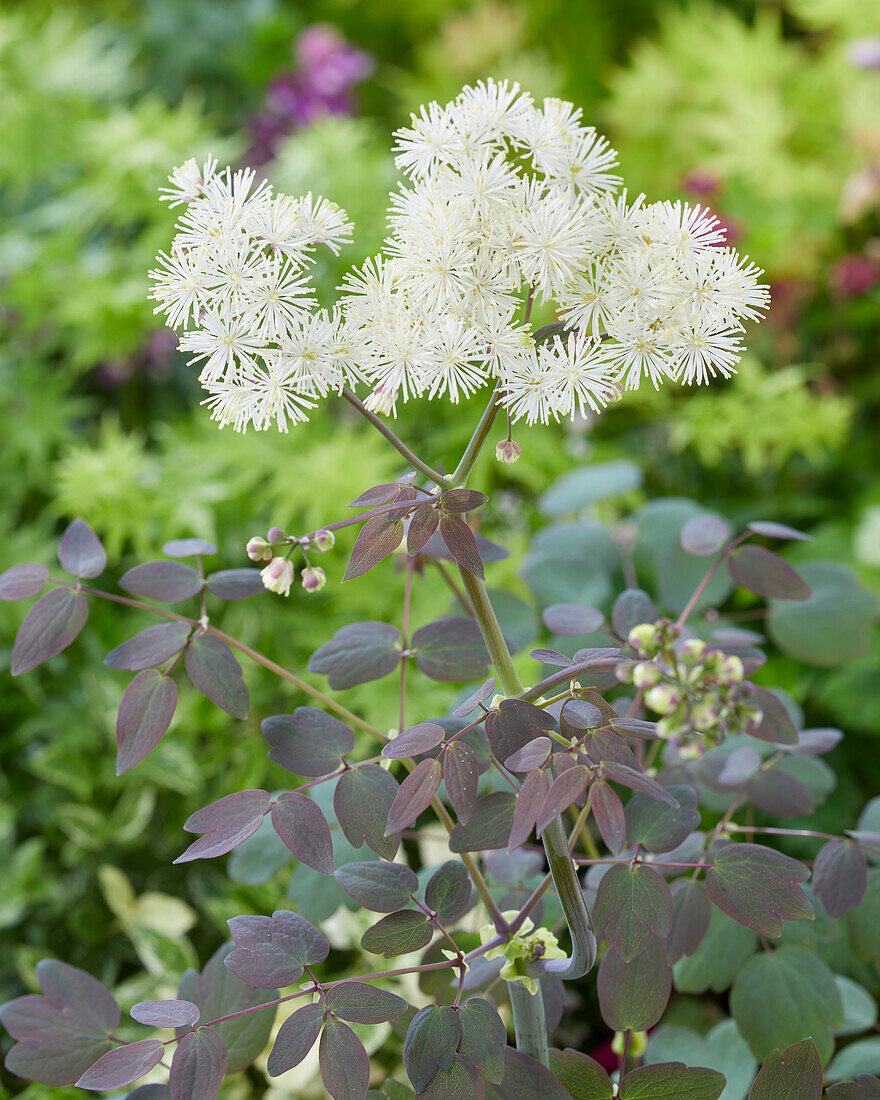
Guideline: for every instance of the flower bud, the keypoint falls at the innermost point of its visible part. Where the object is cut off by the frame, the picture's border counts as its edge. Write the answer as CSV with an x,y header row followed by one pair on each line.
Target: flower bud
x,y
694,649
324,540
663,698
278,576
645,675
624,672
258,549
507,451
730,669
643,637
692,750
276,535
313,578
704,716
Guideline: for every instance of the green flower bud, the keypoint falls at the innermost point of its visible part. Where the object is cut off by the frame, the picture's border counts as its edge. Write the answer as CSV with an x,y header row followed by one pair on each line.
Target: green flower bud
x,y
646,675
663,698
643,637
324,540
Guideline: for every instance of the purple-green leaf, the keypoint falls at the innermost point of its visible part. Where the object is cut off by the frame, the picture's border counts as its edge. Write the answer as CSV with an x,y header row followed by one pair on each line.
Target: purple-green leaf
x,y
461,1081
634,995
414,741
572,619
632,606
867,1087
51,625
199,1066
564,790
776,792
461,774
691,913
461,544
526,1079
659,827
532,755
840,877
776,725
584,1078
704,534
379,886
462,500
483,692
358,653
345,1067
414,795
188,548
235,584
449,891
450,649
225,823
766,574
514,724
432,1039
633,904
166,1013
80,551
759,887
379,537
529,801
362,1003
214,671
791,1074
637,781
488,827
376,495
296,1037
271,951
307,742
165,581
422,525
771,530
362,800
672,1081
123,1065
298,821
399,933
150,647
22,581
609,815
145,713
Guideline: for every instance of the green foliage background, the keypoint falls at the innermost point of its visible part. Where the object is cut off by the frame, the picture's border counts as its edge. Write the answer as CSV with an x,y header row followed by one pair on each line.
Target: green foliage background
x,y
98,99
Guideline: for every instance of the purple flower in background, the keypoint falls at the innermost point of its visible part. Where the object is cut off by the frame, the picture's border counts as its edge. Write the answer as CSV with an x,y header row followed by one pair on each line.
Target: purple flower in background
x,y
854,275
328,67
865,52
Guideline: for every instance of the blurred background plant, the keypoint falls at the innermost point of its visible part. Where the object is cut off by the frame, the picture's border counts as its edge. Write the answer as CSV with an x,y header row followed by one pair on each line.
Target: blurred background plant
x,y
768,112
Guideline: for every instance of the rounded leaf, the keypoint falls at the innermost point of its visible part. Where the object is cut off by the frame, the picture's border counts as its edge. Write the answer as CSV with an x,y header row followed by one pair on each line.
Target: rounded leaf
x,y
166,1013
165,581
414,795
23,581
307,742
634,995
461,774
188,548
123,1065
361,1003
145,713
345,1067
414,741
299,822
80,551
704,534
235,584
150,647
766,574
50,626
198,1066
214,671
296,1037
379,886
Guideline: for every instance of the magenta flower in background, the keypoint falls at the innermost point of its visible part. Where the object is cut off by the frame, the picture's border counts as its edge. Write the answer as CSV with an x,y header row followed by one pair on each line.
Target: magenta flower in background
x,y
328,66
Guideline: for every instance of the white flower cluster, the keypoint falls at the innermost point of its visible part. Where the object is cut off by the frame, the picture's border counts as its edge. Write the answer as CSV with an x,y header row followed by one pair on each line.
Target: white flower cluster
x,y
507,203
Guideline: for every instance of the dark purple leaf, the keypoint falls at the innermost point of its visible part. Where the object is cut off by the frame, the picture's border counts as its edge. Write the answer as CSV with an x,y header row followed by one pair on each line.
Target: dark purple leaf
x,y
866,1088
794,1073
776,724
448,892
659,827
225,823
483,692
358,653
462,500
758,887
307,742
218,992
123,1065
551,657
450,649
778,793
145,712
296,1037
635,727
526,1079
166,581
581,1075
345,1067
414,796
69,987
151,647
461,774
564,790
214,671
362,800
379,886
632,607
637,781
188,548
488,827
773,530
739,767
489,551
514,725
150,1092
235,584
23,581
198,1066
532,755
572,619
632,905
634,995
766,574
432,1039
376,495
80,551
816,742
691,913
704,534
461,544
379,537
529,801
298,821
672,1081
840,877
399,933
361,1003
50,626
414,741
166,1013
271,951
609,816
422,525
604,745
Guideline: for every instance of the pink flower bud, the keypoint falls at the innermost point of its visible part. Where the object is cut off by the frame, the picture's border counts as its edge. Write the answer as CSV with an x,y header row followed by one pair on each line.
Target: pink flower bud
x,y
276,535
258,549
313,578
278,576
324,540
507,451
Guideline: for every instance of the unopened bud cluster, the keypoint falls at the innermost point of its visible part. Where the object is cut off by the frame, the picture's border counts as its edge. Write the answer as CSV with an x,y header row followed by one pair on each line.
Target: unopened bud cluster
x,y
696,688
279,574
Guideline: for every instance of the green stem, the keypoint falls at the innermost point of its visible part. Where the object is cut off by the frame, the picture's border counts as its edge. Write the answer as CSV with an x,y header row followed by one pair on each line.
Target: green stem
x,y
472,451
529,1021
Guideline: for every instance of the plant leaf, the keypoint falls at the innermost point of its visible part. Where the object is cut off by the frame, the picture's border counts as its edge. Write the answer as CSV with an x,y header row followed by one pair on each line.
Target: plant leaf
x,y
564,790
345,1067
572,619
188,548
198,1066
488,827
529,800
299,822
235,584
632,607
776,724
166,1013
422,524
123,1065
691,914
634,995
145,713
483,1038
584,1078
526,1079
661,828
414,795
636,781
80,551
461,544
772,530
379,537
296,1037
766,574
271,951
462,500
671,1081
461,774
362,1003
362,800
358,653
449,891
840,877
514,724
225,823
431,1041
758,887
378,886
165,581
609,815
632,905
793,1072
150,647
307,742
704,534
722,953
51,625
22,581
214,671
450,649
398,934
414,741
